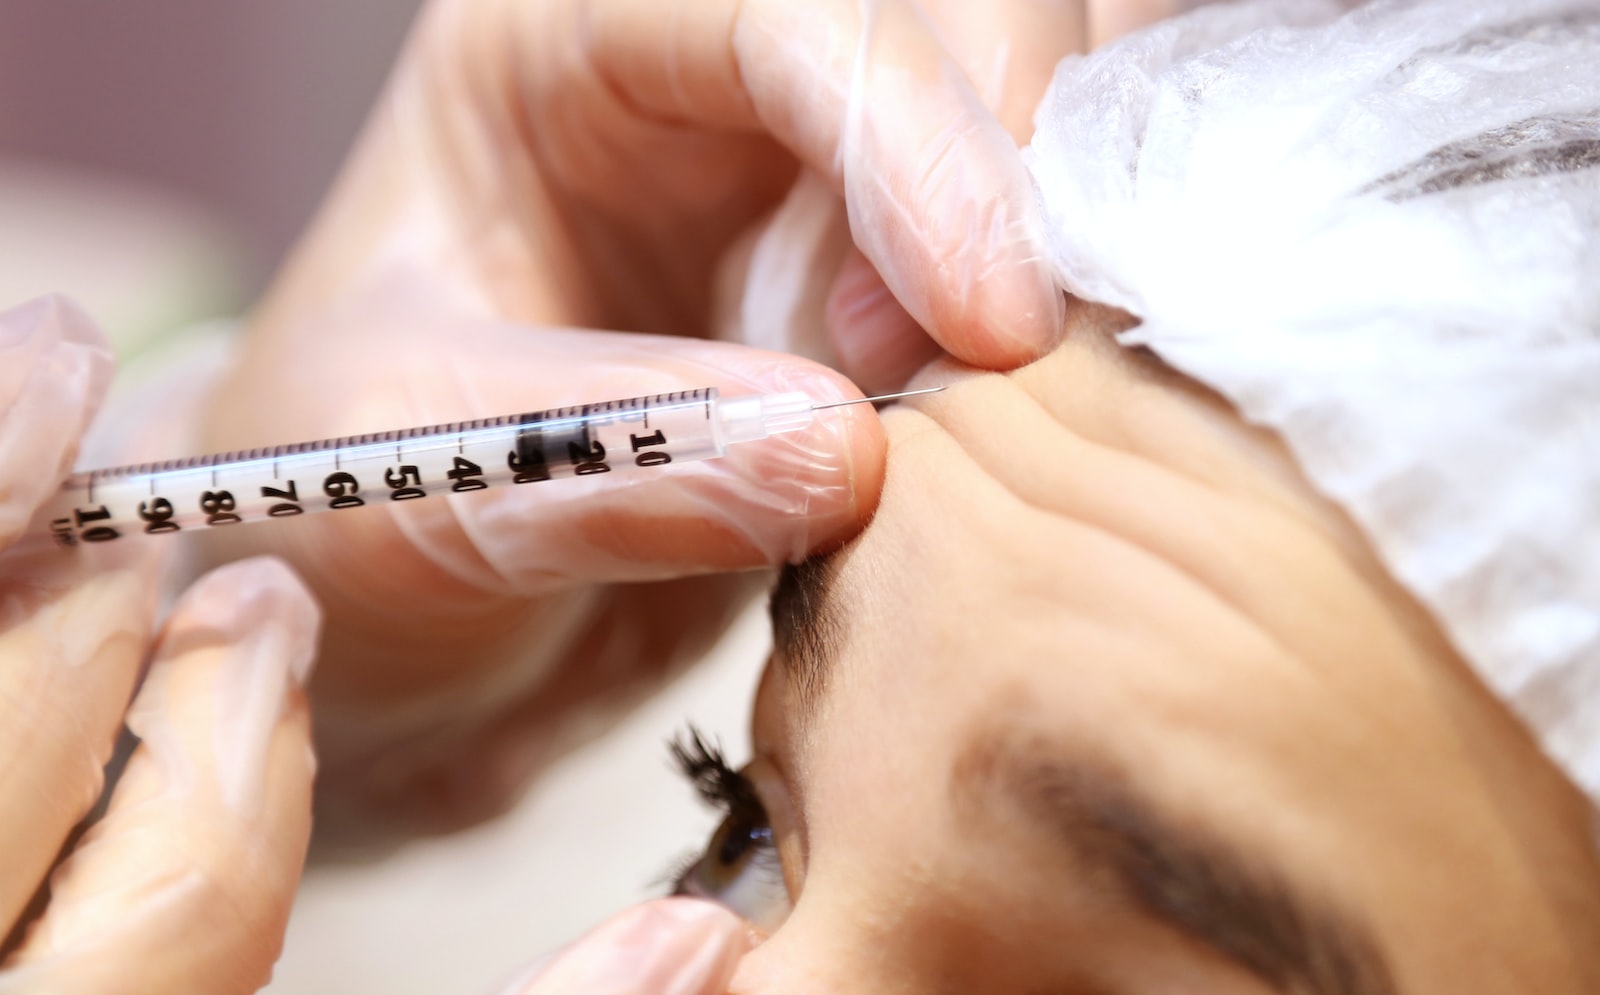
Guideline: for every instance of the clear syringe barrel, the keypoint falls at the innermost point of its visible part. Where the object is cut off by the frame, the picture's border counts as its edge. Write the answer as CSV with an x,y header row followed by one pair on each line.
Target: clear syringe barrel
x,y
635,435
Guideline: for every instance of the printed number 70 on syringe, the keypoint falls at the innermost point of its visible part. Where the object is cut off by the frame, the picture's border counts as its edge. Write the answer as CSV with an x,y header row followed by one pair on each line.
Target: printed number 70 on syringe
x,y
637,433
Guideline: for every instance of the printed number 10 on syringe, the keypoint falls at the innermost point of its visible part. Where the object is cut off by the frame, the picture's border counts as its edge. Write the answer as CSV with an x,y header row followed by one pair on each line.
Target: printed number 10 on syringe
x,y
354,471
634,434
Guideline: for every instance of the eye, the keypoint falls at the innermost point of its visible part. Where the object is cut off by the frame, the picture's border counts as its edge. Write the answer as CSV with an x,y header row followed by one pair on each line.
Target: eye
x,y
740,866
740,869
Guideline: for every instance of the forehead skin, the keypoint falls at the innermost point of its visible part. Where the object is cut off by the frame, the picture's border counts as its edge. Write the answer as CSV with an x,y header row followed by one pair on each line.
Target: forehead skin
x,y
1093,554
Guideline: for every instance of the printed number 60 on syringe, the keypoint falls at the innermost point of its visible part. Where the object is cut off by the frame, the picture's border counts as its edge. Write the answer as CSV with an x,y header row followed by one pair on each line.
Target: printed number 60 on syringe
x,y
633,434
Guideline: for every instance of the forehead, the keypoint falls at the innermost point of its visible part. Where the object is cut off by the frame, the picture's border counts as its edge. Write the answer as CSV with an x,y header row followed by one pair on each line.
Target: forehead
x,y
1222,650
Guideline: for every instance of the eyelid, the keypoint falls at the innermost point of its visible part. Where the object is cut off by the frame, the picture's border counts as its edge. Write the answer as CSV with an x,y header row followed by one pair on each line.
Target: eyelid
x,y
777,799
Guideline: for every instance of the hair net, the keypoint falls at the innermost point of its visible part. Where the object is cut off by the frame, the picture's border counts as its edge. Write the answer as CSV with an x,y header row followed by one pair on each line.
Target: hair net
x,y
1377,232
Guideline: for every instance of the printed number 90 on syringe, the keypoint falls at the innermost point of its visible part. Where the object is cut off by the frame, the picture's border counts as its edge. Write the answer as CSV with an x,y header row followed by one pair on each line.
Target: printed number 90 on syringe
x,y
353,471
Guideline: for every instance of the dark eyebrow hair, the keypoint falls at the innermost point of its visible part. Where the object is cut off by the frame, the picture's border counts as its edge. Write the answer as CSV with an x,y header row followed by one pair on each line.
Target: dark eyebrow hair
x,y
1201,887
1548,145
1206,890
805,628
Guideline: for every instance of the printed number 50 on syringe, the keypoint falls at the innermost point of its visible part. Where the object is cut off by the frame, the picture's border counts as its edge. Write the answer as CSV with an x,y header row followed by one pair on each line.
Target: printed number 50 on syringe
x,y
633,434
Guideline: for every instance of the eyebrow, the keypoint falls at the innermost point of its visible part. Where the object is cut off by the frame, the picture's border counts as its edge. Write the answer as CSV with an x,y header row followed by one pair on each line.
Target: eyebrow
x,y
806,629
1206,890
1534,147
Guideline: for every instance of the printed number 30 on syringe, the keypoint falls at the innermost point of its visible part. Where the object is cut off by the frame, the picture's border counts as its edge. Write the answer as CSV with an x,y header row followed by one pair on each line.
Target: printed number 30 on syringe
x,y
634,434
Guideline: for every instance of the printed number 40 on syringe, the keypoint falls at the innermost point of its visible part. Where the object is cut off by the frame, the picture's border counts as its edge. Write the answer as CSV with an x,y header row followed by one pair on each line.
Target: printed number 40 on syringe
x,y
634,434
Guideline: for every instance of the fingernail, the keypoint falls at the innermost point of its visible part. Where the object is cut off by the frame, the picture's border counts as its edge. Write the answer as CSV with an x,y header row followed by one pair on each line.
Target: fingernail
x,y
670,947
259,616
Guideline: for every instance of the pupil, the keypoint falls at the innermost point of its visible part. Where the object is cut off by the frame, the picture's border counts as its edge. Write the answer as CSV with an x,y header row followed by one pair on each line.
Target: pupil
x,y
739,840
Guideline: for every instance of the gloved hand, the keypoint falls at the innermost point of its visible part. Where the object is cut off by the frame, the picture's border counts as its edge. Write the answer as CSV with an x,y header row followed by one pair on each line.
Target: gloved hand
x,y
537,170
670,947
184,883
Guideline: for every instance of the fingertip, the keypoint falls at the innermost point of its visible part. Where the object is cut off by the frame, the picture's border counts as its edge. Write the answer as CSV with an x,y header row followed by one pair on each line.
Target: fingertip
x,y
763,503
866,455
48,319
75,323
224,687
55,366
673,946
840,458
240,598
80,352
192,871
1008,317
940,202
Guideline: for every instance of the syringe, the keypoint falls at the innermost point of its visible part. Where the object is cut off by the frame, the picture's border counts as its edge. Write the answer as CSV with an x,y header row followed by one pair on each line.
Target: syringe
x,y
204,492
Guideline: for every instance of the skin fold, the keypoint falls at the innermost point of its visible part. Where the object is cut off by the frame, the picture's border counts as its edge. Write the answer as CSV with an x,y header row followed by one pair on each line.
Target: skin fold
x,y
1092,566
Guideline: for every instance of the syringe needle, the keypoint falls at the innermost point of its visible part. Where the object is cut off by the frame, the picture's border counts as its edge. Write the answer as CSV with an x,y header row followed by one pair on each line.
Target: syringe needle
x,y
879,397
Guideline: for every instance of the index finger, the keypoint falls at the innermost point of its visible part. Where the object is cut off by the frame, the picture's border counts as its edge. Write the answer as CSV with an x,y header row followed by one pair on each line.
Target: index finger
x,y
864,94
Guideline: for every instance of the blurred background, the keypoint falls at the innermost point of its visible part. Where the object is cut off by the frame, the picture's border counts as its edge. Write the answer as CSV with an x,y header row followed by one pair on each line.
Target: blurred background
x,y
156,160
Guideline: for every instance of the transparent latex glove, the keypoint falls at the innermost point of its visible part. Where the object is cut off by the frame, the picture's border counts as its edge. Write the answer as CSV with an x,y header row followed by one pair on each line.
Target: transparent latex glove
x,y
796,281
536,170
184,883
670,947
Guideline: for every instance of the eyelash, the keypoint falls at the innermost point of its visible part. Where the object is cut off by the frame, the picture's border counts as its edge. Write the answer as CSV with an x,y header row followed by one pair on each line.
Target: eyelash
x,y
705,766
702,763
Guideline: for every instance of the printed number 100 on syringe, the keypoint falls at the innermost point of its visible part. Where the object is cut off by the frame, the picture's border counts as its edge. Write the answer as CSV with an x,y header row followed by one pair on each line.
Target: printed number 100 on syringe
x,y
634,434
350,472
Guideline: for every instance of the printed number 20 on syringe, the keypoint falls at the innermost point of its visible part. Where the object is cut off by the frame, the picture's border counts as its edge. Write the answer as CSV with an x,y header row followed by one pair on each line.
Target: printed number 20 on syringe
x,y
634,434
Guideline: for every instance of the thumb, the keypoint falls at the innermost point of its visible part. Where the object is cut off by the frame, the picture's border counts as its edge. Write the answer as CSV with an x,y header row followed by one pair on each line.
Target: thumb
x,y
939,200
670,947
764,503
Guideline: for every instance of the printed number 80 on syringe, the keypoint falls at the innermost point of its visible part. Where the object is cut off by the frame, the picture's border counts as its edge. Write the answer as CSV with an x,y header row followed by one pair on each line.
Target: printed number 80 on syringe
x,y
633,434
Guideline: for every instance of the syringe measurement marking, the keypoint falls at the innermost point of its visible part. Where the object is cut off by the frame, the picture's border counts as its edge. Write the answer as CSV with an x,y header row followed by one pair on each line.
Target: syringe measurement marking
x,y
536,438
219,507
